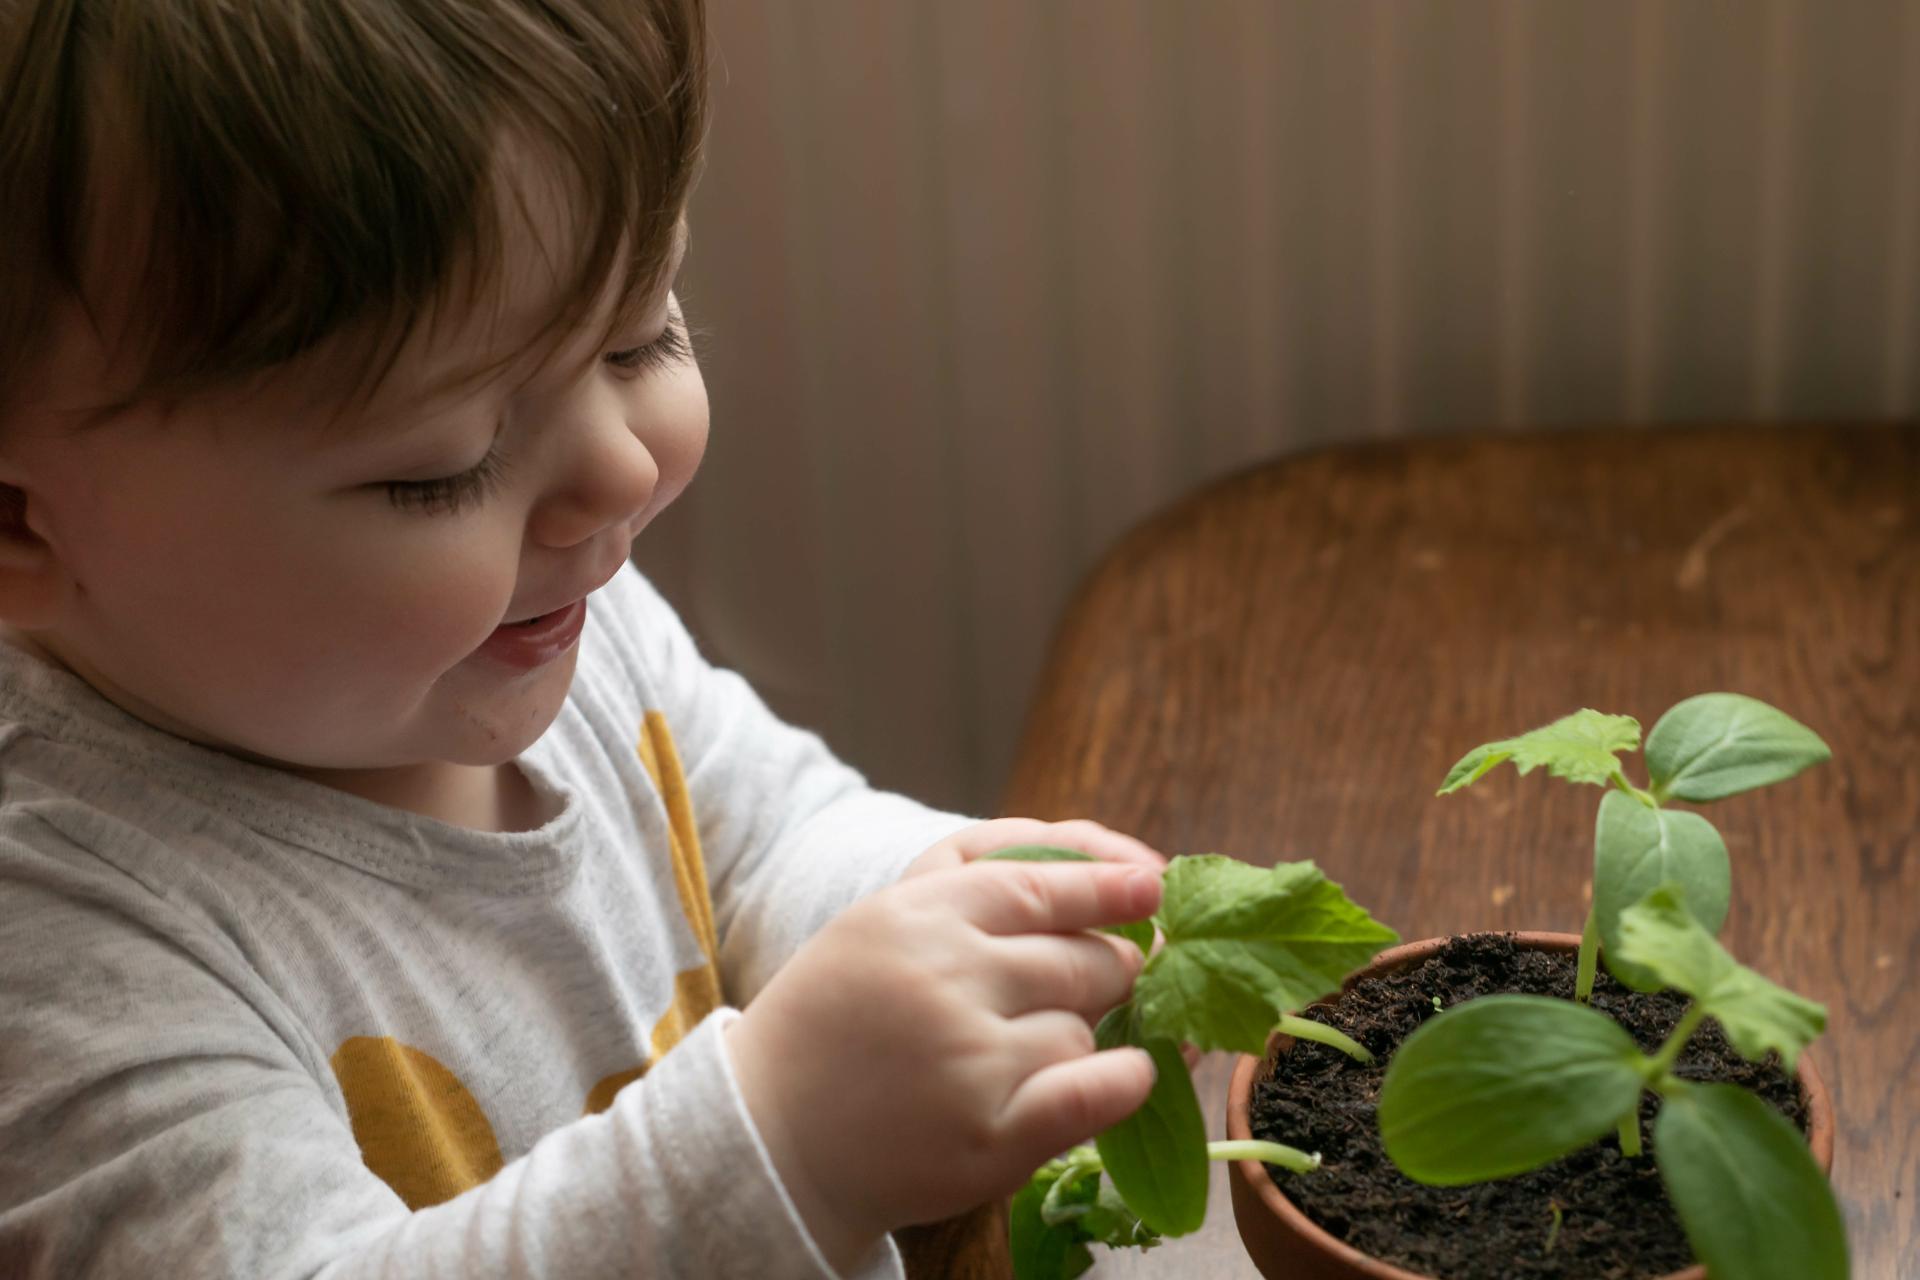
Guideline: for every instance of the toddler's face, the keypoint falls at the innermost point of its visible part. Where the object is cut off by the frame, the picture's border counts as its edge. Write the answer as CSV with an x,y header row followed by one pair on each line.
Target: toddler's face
x,y
249,574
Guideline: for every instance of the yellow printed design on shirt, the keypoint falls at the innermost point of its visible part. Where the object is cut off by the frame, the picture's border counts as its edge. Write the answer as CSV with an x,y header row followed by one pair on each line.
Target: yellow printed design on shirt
x,y
696,991
419,1127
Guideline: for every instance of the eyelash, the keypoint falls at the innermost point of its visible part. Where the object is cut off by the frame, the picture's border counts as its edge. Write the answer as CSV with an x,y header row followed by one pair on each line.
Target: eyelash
x,y
452,494
672,347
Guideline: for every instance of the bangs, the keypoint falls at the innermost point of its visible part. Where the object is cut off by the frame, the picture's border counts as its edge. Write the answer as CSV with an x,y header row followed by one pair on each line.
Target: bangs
x,y
293,173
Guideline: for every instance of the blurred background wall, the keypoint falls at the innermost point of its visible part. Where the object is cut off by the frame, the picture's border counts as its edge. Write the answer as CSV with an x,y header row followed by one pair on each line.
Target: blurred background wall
x,y
985,282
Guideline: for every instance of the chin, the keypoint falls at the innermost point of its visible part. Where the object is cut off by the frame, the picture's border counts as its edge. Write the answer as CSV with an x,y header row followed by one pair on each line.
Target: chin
x,y
497,733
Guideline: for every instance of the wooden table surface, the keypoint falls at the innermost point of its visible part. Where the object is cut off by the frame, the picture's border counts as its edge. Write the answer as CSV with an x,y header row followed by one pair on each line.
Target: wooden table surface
x,y
1285,665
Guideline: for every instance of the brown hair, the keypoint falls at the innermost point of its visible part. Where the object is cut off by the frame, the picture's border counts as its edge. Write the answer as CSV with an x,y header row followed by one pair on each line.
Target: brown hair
x,y
313,168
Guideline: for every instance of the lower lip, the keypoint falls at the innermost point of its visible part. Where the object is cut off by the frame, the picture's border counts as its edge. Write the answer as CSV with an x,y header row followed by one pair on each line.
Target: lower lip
x,y
539,642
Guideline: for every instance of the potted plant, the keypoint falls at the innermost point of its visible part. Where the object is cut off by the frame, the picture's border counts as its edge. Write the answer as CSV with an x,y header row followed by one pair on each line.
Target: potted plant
x,y
1520,1085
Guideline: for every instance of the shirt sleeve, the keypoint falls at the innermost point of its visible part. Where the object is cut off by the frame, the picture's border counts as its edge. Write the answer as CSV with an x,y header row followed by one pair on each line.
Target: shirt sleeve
x,y
791,834
161,1115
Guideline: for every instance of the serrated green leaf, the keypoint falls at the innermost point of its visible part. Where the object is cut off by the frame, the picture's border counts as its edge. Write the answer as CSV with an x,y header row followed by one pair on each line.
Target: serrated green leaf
x,y
1503,1084
1580,748
1157,1157
1754,1204
1661,935
1138,932
1245,944
1044,1251
1716,745
1475,765
1636,850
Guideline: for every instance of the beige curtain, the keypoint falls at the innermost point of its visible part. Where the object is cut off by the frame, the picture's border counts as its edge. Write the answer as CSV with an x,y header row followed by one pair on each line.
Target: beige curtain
x,y
984,282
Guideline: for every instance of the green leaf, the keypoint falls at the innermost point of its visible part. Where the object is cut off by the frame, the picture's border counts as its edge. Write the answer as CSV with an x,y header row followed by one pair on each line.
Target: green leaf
x,y
1157,1157
1754,1204
1719,744
1112,1222
1138,932
1042,1251
1502,1084
1579,748
1245,944
1660,934
1636,850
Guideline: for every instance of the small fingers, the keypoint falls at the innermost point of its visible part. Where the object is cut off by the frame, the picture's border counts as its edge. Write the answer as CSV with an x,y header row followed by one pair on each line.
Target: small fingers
x,y
1085,974
1068,1102
1049,897
1091,838
1046,1038
1080,834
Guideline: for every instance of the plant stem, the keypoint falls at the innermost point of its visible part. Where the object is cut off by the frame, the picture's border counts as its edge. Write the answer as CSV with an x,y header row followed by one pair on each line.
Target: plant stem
x,y
1265,1152
1646,798
1054,1209
1319,1032
1589,958
1630,1132
1662,1062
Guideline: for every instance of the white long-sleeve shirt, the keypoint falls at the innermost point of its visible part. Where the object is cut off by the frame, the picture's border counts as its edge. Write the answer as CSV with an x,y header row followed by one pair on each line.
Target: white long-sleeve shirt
x,y
254,1027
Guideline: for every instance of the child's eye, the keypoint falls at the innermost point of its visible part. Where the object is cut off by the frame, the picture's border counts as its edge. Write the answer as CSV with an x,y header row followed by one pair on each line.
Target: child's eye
x,y
449,495
670,348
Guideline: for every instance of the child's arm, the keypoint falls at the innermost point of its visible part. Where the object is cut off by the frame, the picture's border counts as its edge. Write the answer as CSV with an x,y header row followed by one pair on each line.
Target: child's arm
x,y
164,1113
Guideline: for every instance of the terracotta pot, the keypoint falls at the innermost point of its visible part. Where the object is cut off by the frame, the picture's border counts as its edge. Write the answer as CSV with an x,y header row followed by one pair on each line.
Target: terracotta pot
x,y
1285,1245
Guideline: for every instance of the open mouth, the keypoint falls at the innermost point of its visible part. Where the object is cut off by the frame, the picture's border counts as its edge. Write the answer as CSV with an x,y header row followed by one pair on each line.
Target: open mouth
x,y
533,642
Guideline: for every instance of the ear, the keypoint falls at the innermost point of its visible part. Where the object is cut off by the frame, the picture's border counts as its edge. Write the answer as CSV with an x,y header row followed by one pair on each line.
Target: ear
x,y
34,585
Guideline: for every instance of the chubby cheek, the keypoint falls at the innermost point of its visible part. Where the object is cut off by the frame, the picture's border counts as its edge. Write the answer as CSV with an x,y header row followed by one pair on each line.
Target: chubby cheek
x,y
362,620
403,609
676,437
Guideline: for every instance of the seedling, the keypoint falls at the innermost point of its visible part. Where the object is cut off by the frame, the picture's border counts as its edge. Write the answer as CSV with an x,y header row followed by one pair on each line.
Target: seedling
x,y
1243,947
1705,748
1503,1084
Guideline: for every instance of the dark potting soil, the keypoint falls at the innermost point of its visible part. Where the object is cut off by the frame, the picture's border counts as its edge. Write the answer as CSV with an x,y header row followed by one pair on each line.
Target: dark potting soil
x,y
1615,1222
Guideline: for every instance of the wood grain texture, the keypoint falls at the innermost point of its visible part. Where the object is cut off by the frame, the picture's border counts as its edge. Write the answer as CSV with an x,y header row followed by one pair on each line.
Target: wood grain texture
x,y
1286,664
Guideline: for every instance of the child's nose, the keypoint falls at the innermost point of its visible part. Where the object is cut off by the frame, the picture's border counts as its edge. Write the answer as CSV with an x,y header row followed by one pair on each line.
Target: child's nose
x,y
605,476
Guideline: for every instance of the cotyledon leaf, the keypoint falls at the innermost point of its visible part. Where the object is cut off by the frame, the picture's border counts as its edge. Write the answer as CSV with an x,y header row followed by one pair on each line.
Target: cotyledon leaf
x,y
1715,745
1635,851
1754,1204
1502,1084
1660,935
1157,1157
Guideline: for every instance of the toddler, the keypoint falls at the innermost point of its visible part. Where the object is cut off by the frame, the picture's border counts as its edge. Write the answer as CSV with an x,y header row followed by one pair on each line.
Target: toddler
x,y
388,887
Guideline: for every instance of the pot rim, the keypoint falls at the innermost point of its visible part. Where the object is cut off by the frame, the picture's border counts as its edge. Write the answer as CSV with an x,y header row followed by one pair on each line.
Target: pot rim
x,y
1293,1222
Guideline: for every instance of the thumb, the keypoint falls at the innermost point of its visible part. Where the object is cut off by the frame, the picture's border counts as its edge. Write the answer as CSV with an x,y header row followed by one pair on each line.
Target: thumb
x,y
1067,1103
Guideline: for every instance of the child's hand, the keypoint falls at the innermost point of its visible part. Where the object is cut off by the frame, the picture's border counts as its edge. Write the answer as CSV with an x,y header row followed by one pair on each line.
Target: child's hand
x,y
983,838
1081,834
933,1045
